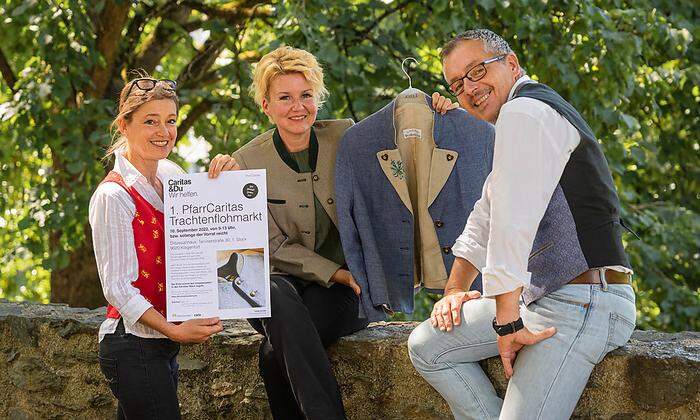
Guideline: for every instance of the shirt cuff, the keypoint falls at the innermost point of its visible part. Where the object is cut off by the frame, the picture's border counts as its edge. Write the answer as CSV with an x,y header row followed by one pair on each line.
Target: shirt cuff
x,y
498,280
471,251
134,309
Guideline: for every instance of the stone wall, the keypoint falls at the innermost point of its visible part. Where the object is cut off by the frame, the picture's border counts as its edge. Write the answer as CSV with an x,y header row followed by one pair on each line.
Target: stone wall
x,y
48,369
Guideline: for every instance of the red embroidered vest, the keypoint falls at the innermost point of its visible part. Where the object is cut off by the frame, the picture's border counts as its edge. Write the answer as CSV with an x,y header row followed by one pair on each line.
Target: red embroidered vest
x,y
149,241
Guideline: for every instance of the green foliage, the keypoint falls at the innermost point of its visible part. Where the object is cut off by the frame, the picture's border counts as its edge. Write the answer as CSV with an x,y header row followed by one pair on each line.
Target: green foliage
x,y
631,67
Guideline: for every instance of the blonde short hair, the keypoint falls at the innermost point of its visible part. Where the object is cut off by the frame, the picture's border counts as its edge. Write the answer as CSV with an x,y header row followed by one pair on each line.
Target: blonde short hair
x,y
285,60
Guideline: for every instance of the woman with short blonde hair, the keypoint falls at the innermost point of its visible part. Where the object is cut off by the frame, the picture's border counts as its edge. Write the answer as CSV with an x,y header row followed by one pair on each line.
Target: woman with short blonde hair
x,y
285,60
314,298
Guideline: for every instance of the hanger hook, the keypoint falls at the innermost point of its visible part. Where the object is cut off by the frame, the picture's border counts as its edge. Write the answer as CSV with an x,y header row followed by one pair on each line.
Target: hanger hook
x,y
403,69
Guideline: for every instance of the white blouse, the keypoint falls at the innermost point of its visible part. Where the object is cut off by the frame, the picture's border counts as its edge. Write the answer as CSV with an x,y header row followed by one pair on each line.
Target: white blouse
x,y
111,213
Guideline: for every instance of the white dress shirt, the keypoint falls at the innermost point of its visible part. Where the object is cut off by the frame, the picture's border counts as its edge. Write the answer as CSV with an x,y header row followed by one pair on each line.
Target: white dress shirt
x,y
532,147
111,212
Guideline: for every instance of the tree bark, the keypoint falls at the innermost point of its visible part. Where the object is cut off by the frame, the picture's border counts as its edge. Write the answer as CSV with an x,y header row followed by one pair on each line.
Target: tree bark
x,y
162,39
108,29
234,12
78,284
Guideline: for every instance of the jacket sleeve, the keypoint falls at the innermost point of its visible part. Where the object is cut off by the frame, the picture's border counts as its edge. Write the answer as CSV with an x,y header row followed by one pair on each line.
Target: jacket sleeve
x,y
349,234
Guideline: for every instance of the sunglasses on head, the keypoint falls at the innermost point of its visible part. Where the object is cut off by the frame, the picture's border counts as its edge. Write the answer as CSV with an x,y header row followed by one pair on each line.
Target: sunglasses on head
x,y
146,84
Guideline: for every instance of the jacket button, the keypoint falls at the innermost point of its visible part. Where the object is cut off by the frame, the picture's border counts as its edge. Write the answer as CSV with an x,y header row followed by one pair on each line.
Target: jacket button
x,y
439,224
450,157
315,177
329,201
446,249
385,156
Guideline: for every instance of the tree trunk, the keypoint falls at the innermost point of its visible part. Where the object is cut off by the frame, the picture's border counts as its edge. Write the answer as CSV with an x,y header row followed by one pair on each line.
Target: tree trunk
x,y
78,284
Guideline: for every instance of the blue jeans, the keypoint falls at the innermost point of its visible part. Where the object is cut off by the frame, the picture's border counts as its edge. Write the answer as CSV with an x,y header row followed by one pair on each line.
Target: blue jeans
x,y
549,377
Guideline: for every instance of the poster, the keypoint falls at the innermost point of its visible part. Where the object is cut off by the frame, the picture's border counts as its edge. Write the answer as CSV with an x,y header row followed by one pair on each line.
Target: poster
x,y
216,257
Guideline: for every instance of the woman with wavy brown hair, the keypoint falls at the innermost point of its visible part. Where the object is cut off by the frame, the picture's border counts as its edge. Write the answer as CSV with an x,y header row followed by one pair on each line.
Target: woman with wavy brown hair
x,y
138,347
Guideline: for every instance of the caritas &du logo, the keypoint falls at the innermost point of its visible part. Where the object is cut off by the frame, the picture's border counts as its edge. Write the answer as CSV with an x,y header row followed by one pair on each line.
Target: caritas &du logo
x,y
176,185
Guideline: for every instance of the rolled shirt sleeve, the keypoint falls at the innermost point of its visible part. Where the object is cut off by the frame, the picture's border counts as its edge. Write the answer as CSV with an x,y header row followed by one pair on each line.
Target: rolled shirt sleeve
x,y
533,145
111,213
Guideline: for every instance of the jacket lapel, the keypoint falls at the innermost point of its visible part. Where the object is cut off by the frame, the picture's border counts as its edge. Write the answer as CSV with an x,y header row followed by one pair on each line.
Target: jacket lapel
x,y
443,159
441,165
278,172
393,167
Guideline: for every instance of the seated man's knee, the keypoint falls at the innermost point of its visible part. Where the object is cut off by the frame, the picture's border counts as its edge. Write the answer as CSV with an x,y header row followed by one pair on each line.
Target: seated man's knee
x,y
420,344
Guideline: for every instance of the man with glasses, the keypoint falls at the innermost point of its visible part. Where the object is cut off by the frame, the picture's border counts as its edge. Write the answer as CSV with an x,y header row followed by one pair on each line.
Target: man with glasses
x,y
546,236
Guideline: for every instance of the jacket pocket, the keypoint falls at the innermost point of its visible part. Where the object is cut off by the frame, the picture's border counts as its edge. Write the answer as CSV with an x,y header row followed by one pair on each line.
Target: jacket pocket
x,y
545,247
276,201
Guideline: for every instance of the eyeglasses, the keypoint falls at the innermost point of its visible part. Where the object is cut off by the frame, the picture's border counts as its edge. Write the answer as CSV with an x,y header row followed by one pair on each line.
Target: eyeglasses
x,y
474,74
146,84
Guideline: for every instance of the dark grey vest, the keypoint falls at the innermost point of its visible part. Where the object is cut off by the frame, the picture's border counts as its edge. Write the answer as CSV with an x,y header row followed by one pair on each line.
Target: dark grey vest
x,y
581,227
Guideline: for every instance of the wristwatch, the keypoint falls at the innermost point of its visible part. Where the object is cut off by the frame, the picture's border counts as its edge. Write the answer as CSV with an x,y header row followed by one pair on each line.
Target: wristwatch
x,y
508,328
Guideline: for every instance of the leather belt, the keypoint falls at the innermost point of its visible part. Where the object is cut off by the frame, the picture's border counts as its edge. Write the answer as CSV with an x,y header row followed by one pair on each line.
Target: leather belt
x,y
592,276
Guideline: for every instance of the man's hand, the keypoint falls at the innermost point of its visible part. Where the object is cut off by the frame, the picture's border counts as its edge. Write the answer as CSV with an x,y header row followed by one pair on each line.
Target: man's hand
x,y
446,310
509,345
443,104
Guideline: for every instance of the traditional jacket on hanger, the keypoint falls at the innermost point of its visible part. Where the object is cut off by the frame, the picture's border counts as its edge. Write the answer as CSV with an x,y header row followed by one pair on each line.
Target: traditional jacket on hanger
x,y
405,186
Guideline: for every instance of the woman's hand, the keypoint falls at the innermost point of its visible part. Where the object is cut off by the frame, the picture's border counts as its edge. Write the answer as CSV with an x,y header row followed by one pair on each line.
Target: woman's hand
x,y
443,104
196,330
222,163
345,277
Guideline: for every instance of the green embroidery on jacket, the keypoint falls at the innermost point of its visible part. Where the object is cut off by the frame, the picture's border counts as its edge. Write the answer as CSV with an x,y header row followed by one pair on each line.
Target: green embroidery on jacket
x,y
397,169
